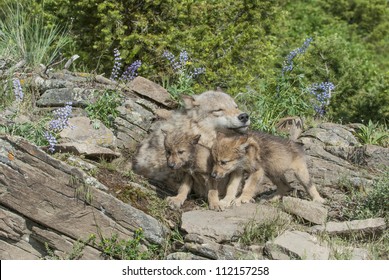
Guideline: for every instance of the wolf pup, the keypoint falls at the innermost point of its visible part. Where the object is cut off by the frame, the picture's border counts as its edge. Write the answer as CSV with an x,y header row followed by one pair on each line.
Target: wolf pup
x,y
260,154
185,153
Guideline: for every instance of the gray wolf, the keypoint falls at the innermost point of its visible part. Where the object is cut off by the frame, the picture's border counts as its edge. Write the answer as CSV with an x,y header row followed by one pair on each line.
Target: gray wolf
x,y
203,114
259,154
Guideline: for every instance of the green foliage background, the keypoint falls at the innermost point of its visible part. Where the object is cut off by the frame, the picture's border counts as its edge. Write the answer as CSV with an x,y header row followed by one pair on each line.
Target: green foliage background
x,y
242,44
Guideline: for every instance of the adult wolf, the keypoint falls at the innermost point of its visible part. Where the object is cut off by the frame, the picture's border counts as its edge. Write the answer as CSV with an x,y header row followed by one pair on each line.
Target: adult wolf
x,y
203,114
261,154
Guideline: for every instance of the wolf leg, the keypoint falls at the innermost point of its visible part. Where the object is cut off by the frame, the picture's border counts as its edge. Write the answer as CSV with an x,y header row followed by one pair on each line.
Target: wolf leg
x,y
213,197
302,175
283,187
250,188
176,202
232,188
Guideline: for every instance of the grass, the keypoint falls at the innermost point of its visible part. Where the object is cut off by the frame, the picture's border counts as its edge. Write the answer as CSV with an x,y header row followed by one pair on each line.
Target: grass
x,y
31,131
373,133
28,38
260,233
104,108
369,203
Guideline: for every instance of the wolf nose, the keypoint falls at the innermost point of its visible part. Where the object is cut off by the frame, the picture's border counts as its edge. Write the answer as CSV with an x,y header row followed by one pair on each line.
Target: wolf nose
x,y
171,164
213,174
244,117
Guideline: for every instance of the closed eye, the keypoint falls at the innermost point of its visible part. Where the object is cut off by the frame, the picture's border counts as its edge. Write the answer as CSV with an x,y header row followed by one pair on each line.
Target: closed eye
x,y
180,152
223,162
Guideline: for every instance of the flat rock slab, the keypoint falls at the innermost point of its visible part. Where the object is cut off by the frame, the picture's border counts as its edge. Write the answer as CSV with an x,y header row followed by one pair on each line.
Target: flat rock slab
x,y
151,90
228,225
308,210
367,226
296,245
202,246
83,130
43,199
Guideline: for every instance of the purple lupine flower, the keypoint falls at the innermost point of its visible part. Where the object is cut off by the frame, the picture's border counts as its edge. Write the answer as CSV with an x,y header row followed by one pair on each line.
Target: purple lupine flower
x,y
197,71
288,62
322,93
131,71
176,65
116,66
18,91
52,141
61,118
58,123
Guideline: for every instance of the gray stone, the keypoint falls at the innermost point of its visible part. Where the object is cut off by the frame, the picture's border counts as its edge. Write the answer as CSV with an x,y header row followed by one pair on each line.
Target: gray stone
x,y
371,156
207,248
183,256
57,198
80,97
83,130
293,126
368,226
151,90
296,245
332,134
228,225
311,211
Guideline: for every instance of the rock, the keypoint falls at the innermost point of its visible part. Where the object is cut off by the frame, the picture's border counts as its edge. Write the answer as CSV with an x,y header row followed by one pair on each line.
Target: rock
x,y
331,134
328,147
183,256
368,226
207,248
296,245
308,210
228,225
293,126
83,130
44,84
132,124
80,97
153,91
82,138
56,197
371,156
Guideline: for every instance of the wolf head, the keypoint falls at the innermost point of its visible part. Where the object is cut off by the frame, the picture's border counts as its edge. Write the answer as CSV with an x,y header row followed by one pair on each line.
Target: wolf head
x,y
229,154
179,148
219,109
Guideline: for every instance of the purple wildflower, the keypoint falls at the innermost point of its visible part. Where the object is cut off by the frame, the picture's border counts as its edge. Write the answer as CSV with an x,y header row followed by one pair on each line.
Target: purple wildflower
x,y
116,66
18,91
52,141
288,62
131,71
322,93
58,123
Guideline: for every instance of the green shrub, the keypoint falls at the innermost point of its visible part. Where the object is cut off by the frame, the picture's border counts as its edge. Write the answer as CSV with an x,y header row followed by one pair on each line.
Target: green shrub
x,y
373,133
104,108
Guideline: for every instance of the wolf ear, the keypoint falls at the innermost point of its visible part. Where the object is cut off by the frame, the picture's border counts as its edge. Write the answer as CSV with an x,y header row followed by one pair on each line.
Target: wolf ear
x,y
189,102
220,135
244,144
195,139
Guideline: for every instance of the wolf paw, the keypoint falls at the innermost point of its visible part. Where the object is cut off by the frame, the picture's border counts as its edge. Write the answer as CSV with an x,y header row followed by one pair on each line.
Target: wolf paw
x,y
243,200
225,203
319,200
174,202
217,207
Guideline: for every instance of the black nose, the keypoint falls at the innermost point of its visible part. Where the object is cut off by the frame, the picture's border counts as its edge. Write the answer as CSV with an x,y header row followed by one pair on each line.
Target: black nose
x,y
171,164
244,117
213,174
